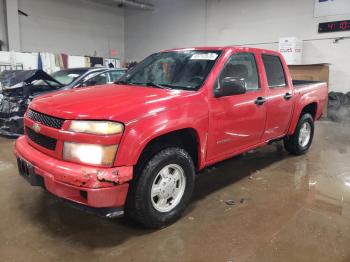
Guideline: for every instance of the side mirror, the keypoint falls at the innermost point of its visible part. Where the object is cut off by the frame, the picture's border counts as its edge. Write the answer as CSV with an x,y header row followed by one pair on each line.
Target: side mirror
x,y
231,86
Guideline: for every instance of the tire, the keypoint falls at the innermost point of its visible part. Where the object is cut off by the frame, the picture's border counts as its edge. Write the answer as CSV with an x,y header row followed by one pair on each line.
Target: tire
x,y
145,209
334,101
294,144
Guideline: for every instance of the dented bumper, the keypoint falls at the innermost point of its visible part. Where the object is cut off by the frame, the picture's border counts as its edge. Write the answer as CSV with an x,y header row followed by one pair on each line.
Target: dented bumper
x,y
90,186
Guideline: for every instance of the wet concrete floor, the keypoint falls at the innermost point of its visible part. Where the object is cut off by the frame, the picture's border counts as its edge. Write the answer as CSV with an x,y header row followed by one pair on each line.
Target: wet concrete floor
x,y
263,206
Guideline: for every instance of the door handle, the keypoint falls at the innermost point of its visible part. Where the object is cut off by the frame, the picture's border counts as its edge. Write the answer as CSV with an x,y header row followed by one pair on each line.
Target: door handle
x,y
288,96
260,101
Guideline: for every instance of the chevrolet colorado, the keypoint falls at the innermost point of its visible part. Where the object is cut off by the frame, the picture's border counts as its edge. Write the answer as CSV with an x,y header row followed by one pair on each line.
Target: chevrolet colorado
x,y
136,146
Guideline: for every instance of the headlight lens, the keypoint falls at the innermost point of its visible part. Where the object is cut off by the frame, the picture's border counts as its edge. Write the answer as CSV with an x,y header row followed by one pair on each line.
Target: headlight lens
x,y
89,154
96,127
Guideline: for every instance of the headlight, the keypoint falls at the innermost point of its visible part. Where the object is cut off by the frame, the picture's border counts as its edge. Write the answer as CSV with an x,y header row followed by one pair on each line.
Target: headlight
x,y
89,154
96,127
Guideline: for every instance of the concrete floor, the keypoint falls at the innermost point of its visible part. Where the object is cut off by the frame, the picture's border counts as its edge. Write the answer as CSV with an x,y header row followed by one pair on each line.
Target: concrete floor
x,y
285,209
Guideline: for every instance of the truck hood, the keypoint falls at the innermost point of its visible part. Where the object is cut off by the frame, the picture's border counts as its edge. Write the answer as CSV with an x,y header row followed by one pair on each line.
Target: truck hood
x,y
109,102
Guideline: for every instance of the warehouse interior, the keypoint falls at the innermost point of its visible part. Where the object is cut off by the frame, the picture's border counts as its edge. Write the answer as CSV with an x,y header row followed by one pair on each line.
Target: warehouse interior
x,y
261,204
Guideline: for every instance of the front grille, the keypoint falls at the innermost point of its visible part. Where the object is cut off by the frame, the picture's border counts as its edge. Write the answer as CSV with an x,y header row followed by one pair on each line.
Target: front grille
x,y
41,140
46,120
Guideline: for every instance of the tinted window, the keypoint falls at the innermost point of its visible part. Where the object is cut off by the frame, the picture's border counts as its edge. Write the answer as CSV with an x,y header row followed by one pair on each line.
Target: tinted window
x,y
96,79
115,75
274,71
242,66
68,76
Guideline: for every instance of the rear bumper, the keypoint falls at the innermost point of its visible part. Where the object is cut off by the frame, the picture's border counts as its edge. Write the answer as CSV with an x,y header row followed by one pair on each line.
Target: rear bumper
x,y
86,185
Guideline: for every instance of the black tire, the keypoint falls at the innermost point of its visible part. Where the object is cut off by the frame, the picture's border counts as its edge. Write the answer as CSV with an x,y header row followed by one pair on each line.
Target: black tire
x,y
139,205
291,143
334,101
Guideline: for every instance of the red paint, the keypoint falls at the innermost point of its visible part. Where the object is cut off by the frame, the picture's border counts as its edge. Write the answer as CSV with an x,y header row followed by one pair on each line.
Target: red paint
x,y
66,180
223,126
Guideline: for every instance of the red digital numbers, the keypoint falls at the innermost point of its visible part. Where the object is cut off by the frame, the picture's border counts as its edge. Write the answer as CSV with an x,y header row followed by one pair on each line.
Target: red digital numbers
x,y
344,25
334,26
331,27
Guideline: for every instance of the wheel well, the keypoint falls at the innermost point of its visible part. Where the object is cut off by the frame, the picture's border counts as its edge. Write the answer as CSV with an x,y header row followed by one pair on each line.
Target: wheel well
x,y
311,109
184,138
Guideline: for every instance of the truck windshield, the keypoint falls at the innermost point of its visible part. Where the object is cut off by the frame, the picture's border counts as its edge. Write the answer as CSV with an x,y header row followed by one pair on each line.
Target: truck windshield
x,y
185,69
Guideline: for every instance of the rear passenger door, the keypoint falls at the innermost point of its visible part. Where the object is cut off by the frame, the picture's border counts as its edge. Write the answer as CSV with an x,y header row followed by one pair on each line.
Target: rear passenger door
x,y
279,104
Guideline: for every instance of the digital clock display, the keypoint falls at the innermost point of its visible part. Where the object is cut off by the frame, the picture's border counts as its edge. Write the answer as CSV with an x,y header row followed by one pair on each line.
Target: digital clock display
x,y
337,26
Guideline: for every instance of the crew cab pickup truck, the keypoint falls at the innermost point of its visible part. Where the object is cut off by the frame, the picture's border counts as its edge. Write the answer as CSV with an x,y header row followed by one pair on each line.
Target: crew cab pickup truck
x,y
136,146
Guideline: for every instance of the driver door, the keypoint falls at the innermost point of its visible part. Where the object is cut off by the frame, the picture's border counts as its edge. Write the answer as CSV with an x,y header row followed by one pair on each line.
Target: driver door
x,y
237,122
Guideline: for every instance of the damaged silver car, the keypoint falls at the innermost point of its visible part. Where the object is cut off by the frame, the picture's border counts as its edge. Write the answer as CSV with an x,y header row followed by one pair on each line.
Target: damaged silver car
x,y
18,88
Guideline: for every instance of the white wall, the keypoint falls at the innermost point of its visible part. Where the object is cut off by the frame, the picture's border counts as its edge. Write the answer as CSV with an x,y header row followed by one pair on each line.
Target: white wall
x,y
184,23
178,23
75,27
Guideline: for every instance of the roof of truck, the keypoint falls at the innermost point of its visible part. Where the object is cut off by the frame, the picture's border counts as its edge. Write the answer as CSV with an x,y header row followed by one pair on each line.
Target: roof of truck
x,y
215,48
224,48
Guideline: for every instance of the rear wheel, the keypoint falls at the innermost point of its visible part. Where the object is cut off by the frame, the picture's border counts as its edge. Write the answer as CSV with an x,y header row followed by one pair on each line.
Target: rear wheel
x,y
161,191
301,140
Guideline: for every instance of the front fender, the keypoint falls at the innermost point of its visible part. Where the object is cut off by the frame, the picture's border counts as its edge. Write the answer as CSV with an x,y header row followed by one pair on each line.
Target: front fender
x,y
139,132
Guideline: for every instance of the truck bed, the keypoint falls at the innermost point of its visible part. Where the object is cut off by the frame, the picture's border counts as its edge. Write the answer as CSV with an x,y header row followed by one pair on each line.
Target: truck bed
x,y
305,90
300,83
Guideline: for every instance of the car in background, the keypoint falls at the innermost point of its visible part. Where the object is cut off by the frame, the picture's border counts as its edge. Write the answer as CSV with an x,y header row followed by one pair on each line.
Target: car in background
x,y
18,88
80,77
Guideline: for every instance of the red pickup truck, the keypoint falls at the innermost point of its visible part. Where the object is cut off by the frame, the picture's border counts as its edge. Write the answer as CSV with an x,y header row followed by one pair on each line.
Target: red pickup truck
x,y
136,146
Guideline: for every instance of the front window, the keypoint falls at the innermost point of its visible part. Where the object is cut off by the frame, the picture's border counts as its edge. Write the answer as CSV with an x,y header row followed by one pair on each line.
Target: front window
x,y
242,66
185,69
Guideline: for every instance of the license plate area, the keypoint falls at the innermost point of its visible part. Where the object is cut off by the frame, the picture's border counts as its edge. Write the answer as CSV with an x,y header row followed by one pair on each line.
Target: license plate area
x,y
26,170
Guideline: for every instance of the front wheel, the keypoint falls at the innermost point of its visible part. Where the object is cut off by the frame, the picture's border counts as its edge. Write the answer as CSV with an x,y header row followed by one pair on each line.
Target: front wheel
x,y
300,141
162,190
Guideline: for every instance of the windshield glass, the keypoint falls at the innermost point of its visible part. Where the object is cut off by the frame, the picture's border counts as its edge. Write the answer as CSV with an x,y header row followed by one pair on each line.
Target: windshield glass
x,y
185,69
65,77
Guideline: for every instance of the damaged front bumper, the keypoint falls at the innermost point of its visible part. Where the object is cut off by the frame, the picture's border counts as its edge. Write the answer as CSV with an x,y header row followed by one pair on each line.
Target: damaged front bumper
x,y
89,186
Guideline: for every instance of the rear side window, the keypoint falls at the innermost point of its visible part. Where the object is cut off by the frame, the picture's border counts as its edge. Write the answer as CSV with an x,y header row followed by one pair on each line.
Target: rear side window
x,y
274,71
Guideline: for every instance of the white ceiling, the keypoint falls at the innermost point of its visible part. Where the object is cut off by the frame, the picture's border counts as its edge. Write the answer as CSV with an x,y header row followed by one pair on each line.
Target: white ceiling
x,y
117,2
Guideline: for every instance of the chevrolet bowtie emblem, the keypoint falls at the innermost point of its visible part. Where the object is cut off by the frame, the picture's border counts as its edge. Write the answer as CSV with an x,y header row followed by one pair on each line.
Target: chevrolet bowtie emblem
x,y
36,127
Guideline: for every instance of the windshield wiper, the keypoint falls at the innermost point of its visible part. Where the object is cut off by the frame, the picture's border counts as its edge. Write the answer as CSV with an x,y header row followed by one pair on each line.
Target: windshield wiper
x,y
157,85
152,84
182,87
122,82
